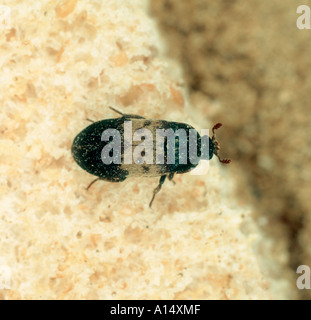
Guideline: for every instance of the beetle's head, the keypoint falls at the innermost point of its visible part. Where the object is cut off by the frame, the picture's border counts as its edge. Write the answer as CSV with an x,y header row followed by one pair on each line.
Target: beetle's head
x,y
215,145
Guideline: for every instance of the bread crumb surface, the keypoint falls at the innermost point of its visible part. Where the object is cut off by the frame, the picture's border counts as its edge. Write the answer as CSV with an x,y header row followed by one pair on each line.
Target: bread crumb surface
x,y
63,62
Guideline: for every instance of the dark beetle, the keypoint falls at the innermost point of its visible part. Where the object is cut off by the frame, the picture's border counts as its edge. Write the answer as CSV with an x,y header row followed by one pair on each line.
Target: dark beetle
x,y
90,149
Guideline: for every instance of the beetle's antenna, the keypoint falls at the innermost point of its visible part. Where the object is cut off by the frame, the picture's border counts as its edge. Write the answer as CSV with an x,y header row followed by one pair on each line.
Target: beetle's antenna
x,y
217,146
115,110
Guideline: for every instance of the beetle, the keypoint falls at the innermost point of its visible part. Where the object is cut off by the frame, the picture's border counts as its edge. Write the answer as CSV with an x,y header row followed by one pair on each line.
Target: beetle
x,y
93,150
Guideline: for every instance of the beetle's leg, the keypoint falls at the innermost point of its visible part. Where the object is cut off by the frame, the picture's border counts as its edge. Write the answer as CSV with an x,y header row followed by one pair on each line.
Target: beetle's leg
x,y
89,186
157,189
90,120
171,176
115,179
115,110
128,116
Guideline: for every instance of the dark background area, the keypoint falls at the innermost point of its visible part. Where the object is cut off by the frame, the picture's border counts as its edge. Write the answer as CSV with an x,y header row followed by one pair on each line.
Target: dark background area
x,y
248,66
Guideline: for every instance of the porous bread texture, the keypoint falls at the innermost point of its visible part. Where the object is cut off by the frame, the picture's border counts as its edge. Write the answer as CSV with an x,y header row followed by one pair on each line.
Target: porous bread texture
x,y
63,62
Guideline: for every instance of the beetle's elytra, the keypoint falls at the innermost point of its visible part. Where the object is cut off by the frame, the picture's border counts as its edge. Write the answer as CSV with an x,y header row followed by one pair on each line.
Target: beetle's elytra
x,y
112,159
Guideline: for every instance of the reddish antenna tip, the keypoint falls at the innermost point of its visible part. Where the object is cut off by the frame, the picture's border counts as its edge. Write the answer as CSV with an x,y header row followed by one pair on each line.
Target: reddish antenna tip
x,y
217,126
217,147
225,161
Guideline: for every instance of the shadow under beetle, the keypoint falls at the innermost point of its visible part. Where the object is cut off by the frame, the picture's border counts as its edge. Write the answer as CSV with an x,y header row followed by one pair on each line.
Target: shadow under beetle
x,y
88,145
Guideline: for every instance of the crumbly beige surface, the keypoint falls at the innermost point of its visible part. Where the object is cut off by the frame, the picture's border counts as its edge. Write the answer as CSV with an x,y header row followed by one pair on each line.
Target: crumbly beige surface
x,y
63,62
